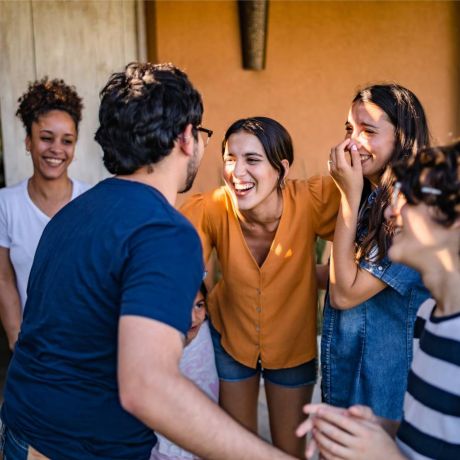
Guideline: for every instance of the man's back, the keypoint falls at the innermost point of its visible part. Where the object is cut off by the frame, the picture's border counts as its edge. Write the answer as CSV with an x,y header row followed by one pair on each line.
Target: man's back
x,y
119,249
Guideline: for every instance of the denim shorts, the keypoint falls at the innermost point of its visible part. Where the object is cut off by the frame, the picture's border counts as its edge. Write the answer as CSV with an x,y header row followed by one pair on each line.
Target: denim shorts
x,y
230,370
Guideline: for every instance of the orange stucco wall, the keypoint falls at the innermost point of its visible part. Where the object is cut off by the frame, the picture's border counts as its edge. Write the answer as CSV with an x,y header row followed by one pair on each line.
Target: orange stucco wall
x,y
318,54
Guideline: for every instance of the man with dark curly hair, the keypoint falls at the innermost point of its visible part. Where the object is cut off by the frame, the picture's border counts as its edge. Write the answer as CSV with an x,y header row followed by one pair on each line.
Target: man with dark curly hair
x,y
95,367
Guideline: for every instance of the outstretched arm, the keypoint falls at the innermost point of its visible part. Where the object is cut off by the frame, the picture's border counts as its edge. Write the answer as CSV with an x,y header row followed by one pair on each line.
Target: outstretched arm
x,y
153,390
349,285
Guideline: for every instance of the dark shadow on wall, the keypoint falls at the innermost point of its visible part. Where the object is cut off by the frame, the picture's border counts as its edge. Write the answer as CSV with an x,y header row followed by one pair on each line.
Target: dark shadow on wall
x,y
455,28
151,30
2,169
4,350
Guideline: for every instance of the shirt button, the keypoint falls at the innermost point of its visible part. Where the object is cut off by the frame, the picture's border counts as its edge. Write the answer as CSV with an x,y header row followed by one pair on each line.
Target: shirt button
x,y
258,309
257,328
380,268
258,291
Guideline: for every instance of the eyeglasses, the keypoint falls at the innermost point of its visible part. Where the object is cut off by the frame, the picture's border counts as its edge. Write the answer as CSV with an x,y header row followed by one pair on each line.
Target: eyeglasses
x,y
206,134
425,190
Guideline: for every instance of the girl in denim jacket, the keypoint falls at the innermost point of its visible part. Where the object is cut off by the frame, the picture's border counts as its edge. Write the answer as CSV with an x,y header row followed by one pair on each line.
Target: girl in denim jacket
x,y
425,213
370,309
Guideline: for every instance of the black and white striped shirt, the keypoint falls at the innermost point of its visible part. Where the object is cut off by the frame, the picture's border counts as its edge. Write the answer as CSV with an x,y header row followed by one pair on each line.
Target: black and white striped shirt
x,y
430,428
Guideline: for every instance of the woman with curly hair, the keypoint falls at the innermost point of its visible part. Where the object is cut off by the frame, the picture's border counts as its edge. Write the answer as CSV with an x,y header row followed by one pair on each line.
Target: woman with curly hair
x,y
50,111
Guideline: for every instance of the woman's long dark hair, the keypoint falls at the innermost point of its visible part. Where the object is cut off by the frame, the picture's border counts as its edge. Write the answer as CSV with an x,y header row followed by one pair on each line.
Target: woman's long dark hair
x,y
406,114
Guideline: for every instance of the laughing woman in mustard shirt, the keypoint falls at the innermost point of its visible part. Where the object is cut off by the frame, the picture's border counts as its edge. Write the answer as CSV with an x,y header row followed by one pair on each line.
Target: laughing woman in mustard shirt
x,y
263,310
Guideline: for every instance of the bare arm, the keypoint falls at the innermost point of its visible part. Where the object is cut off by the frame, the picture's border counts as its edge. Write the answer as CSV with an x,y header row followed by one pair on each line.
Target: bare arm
x,y
10,305
153,390
349,285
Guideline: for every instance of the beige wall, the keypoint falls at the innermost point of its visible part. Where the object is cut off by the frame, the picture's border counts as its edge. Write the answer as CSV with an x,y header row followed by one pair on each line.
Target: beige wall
x,y
318,54
82,42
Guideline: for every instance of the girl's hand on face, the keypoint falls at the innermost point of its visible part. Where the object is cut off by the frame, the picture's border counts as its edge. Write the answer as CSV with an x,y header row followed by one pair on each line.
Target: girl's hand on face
x,y
347,175
341,436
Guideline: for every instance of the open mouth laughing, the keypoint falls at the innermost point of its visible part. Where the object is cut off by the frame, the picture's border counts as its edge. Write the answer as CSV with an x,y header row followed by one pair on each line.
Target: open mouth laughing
x,y
242,188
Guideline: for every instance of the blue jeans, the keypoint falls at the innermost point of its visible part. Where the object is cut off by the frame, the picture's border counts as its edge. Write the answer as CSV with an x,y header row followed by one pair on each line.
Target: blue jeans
x,y
230,370
13,446
366,351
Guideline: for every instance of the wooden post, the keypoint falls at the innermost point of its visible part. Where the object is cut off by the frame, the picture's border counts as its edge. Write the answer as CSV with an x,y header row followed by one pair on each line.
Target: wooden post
x,y
253,27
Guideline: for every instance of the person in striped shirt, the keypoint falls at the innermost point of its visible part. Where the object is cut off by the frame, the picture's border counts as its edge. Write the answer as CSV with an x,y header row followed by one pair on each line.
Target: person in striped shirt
x,y
425,215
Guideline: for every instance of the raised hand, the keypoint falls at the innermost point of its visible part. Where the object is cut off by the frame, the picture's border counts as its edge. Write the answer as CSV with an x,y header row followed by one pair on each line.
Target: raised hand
x,y
345,168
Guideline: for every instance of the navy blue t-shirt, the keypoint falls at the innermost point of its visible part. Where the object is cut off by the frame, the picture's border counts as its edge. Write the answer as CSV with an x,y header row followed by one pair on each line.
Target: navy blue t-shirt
x,y
119,249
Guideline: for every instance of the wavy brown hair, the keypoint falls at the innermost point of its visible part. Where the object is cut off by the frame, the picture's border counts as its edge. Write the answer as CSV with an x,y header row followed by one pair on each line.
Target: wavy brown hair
x,y
435,168
407,116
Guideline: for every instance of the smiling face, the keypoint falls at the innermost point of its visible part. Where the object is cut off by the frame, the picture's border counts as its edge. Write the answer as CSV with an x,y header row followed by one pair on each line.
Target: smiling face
x,y
52,144
370,129
249,176
198,316
417,234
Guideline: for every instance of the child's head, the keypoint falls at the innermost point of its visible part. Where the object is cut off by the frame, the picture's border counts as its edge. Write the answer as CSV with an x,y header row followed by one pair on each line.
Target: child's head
x,y
198,314
425,209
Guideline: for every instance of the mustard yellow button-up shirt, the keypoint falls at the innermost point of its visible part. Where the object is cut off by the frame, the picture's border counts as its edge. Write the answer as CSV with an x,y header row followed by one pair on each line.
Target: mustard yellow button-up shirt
x,y
267,312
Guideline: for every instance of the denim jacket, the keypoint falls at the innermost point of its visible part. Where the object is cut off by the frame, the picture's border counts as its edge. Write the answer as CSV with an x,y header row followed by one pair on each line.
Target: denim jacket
x,y
366,351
